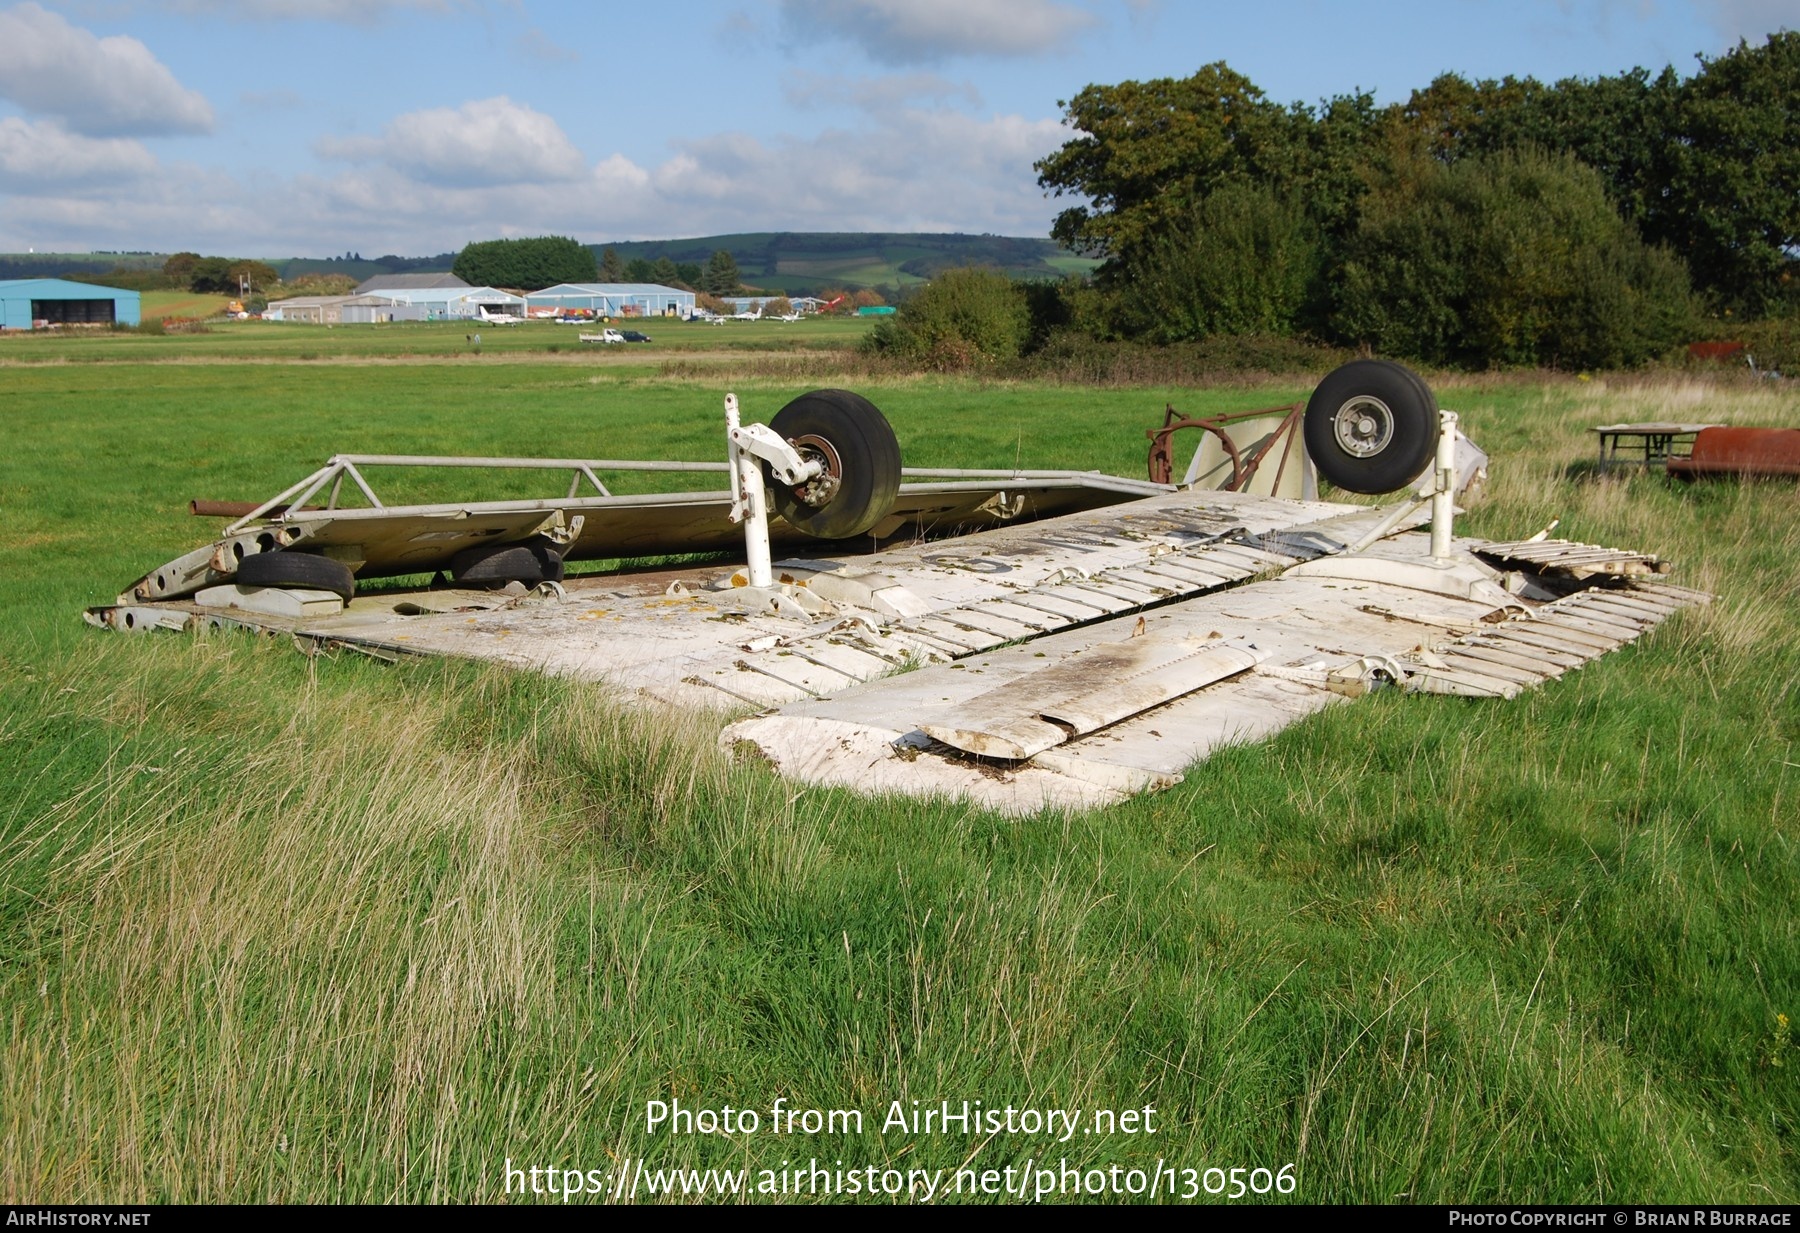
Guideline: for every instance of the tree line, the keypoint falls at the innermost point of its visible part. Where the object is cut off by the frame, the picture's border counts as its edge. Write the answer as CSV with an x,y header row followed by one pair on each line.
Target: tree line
x,y
528,264
1586,222
221,275
714,278
187,272
544,261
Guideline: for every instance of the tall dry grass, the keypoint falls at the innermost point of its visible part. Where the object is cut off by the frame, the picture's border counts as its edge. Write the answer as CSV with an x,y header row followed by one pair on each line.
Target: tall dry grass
x,y
278,930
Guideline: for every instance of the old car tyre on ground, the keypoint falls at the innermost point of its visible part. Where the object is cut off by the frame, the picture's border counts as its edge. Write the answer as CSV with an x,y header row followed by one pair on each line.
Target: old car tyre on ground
x,y
302,570
498,564
862,464
1371,426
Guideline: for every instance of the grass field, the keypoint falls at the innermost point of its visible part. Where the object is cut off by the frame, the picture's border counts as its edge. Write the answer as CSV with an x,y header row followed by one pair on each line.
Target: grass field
x,y
287,929
427,341
156,305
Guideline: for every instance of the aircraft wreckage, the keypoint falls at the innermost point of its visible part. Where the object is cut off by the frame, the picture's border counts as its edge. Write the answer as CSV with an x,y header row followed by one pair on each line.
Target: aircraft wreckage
x,y
1018,638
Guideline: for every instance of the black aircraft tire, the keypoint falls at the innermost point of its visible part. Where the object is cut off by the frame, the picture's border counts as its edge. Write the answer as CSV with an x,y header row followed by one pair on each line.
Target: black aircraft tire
x,y
867,456
301,570
1371,426
488,565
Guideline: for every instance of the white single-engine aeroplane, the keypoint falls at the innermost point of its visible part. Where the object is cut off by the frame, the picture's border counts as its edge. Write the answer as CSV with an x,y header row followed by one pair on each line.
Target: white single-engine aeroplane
x,y
1020,638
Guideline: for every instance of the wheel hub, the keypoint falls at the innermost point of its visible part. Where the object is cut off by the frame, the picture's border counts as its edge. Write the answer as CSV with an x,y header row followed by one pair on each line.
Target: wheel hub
x,y
818,491
1364,426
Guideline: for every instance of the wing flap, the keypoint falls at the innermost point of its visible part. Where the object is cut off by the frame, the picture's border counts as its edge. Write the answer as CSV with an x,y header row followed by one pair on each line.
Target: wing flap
x,y
1089,690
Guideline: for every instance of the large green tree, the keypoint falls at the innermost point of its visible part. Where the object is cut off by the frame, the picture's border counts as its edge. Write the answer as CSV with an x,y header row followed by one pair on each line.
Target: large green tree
x,y
722,277
1147,155
1709,166
1147,151
1620,126
1507,259
1734,181
179,268
211,274
530,265
1243,261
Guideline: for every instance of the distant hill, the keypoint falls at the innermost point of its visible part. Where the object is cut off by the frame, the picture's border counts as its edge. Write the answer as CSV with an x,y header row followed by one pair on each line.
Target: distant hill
x,y
799,262
794,262
61,265
359,269
93,265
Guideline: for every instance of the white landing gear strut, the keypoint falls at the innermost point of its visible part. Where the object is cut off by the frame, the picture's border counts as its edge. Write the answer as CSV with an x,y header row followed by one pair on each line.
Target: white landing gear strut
x,y
746,447
1440,487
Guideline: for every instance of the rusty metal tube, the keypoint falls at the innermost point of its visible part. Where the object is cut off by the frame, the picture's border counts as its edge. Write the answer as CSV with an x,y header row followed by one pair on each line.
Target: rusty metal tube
x,y
235,509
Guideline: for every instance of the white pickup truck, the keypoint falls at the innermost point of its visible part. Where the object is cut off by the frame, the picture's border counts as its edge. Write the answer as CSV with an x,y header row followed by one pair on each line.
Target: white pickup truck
x,y
604,336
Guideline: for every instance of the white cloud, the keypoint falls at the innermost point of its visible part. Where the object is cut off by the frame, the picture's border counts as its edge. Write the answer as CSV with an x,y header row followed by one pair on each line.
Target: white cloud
x,y
487,142
171,219
916,170
617,177
908,169
1754,20
104,87
44,155
807,89
924,31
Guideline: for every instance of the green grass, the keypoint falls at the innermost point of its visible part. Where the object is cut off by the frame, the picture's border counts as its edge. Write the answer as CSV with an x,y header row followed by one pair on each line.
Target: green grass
x,y
287,929
429,341
155,305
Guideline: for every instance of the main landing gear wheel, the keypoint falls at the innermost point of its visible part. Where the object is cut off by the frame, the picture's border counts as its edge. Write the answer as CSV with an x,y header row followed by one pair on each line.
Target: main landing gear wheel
x,y
1371,426
495,565
300,570
856,444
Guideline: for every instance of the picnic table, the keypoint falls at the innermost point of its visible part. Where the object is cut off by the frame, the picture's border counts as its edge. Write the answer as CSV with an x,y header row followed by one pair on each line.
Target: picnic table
x,y
1645,443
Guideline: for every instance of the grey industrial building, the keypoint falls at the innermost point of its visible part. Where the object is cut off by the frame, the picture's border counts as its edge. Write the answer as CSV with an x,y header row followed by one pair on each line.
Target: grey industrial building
x,y
382,283
464,303
37,303
341,310
613,300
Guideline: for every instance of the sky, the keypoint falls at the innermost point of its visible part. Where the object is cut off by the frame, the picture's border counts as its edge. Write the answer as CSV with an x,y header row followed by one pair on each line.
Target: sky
x,y
274,128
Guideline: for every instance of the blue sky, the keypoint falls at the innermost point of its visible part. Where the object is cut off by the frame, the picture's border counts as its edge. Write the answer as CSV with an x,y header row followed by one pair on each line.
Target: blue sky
x,y
312,127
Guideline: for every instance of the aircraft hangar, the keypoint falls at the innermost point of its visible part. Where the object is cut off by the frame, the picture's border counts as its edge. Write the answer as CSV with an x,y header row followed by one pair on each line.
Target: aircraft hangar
x,y
39,303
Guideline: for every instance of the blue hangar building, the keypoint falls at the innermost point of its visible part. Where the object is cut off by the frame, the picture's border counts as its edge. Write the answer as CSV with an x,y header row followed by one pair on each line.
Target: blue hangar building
x,y
38,303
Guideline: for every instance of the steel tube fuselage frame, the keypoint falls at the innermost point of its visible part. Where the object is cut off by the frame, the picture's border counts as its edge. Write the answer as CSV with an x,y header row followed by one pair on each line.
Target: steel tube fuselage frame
x,y
290,500
383,539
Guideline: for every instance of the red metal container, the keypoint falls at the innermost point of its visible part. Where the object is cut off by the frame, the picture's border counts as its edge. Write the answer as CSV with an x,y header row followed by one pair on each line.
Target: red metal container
x,y
1741,451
